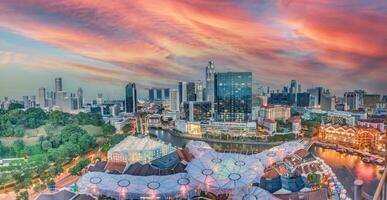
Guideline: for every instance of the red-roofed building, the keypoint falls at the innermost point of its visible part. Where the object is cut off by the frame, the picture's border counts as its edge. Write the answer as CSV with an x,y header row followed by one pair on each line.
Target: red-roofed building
x,y
115,167
270,126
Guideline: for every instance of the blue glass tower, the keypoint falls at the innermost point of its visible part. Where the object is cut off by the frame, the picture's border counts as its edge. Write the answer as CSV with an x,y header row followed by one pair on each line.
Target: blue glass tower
x,y
131,98
233,96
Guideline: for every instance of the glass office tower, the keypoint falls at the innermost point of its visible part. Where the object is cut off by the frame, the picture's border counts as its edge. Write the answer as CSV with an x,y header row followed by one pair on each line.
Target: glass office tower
x,y
233,96
131,98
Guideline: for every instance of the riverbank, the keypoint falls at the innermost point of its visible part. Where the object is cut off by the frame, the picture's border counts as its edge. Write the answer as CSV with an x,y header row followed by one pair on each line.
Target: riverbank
x,y
366,157
177,140
348,168
211,140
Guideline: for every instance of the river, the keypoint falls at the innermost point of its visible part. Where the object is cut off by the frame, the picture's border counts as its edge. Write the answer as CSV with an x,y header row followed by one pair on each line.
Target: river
x,y
180,142
349,167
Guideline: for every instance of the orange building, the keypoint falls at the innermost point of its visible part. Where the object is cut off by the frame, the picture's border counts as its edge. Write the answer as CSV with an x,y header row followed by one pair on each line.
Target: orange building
x,y
357,137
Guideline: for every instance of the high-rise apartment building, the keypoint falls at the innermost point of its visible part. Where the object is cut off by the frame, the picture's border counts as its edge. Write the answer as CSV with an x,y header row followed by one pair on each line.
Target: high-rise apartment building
x,y
26,102
174,99
354,100
328,102
210,82
191,91
58,85
80,98
197,111
33,101
131,98
158,94
42,97
233,96
315,96
199,90
182,92
99,99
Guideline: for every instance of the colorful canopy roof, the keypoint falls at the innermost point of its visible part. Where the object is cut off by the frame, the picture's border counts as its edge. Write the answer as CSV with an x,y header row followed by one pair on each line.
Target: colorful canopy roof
x,y
209,171
252,193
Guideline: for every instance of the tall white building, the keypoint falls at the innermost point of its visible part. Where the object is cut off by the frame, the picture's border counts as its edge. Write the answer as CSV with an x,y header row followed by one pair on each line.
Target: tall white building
x,y
174,99
42,97
182,92
199,90
99,99
58,85
210,82
80,98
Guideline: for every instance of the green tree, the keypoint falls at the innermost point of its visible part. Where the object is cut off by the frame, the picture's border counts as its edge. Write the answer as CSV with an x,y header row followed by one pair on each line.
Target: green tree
x,y
71,133
3,150
58,118
22,196
14,106
18,131
108,129
46,144
75,171
18,148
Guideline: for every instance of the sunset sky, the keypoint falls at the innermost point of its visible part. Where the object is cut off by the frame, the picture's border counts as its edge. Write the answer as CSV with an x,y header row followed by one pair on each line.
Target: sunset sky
x,y
102,45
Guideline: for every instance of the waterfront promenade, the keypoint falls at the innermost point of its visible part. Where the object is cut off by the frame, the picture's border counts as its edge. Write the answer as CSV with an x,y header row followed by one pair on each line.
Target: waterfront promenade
x,y
212,140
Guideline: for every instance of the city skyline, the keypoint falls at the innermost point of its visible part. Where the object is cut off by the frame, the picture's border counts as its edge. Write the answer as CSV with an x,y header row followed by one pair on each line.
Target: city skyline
x,y
92,44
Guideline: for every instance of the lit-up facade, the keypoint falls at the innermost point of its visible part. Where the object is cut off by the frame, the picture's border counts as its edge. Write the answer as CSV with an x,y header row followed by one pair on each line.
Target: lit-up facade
x,y
197,111
356,137
233,96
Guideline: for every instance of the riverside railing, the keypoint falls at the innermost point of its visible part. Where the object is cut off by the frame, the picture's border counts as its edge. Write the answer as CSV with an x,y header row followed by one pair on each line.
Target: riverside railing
x,y
381,191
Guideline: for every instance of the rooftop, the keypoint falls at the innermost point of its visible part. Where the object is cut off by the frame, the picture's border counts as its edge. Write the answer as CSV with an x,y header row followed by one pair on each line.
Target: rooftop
x,y
60,195
132,143
166,161
115,167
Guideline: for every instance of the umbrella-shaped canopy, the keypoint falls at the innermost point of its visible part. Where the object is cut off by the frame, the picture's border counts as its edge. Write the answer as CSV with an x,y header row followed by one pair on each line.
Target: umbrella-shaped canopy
x,y
128,186
252,193
219,172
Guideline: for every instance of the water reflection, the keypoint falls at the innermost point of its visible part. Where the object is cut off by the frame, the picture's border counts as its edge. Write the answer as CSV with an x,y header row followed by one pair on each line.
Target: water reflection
x,y
348,168
179,142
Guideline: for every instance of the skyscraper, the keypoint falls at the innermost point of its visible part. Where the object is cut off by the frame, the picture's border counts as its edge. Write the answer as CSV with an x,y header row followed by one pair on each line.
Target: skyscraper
x,y
199,90
80,98
131,98
174,99
182,92
315,96
355,99
293,91
99,99
26,102
210,82
191,93
33,101
293,86
42,97
58,85
158,94
233,96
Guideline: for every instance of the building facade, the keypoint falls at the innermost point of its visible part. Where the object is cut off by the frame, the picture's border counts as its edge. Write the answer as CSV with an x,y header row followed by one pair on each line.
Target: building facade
x,y
233,96
182,87
357,137
158,94
197,111
131,98
210,82
199,90
276,112
191,91
174,100
42,97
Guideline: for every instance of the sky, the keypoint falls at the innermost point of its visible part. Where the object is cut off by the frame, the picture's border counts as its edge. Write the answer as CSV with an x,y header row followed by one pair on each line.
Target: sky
x,y
101,45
